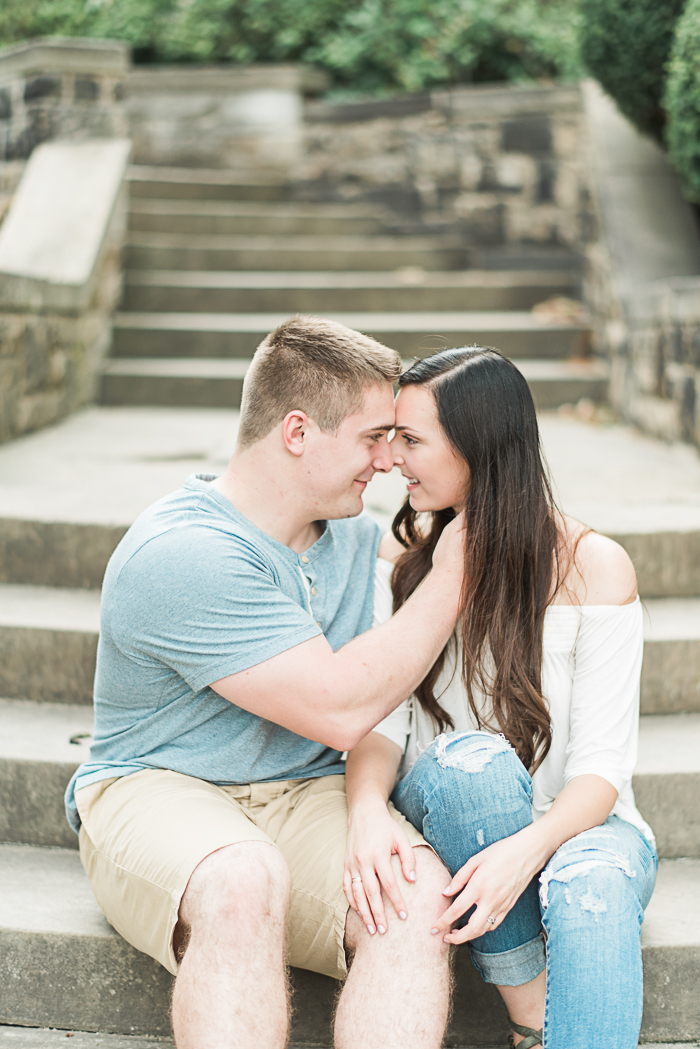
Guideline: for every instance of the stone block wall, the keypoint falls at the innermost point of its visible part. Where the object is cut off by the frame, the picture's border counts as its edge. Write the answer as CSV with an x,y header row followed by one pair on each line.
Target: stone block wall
x,y
655,374
60,280
642,281
501,164
235,117
59,88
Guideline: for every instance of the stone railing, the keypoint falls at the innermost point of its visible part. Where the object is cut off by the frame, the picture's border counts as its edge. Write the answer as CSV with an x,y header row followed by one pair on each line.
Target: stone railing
x,y
60,278
503,164
59,88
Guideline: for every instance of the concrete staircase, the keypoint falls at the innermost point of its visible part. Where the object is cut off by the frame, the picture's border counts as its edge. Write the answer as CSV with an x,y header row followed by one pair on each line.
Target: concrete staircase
x,y
214,263
68,494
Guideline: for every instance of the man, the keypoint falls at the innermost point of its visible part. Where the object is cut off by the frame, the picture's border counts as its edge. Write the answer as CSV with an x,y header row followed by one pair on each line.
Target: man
x,y
235,666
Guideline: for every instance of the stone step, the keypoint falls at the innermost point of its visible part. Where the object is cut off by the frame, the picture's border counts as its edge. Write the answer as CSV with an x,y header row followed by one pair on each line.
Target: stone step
x,y
204,184
63,966
225,335
667,781
41,745
409,288
52,1038
206,217
217,382
173,251
101,467
48,643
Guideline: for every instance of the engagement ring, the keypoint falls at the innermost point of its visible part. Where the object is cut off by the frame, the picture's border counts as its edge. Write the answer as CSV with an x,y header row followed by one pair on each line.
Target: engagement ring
x,y
491,920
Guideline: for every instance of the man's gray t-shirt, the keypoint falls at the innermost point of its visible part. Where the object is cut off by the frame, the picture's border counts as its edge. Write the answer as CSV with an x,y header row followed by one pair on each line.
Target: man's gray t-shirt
x,y
193,593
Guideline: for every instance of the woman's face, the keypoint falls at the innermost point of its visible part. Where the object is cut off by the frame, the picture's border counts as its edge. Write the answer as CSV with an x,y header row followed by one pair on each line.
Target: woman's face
x,y
436,476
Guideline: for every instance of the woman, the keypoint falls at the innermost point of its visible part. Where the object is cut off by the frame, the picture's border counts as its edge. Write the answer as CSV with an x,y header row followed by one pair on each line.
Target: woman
x,y
526,791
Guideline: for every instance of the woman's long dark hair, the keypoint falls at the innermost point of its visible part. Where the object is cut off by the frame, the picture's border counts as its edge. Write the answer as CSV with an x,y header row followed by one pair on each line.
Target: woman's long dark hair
x,y
512,550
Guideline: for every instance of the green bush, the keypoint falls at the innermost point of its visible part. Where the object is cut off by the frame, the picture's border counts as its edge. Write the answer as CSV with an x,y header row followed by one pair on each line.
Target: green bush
x,y
626,45
682,100
367,45
376,45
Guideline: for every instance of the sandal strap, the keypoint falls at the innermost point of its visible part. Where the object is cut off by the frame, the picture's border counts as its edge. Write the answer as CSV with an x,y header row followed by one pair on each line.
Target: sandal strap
x,y
531,1037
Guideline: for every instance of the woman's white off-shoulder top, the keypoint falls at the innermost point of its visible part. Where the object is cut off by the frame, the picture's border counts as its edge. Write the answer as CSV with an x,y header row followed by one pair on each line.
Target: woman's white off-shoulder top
x,y
591,666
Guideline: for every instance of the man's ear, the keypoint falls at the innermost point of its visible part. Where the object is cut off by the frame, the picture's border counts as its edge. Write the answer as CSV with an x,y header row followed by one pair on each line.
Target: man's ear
x,y
295,427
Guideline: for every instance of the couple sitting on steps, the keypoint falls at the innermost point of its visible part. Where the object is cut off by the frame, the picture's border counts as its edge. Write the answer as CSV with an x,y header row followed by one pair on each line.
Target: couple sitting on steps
x,y
480,667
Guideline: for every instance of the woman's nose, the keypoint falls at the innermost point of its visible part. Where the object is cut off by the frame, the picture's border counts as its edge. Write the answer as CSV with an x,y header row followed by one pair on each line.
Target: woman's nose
x,y
396,452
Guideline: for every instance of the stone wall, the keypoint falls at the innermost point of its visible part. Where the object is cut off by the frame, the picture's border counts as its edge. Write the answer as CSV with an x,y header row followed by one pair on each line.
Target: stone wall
x,y
502,164
656,372
59,88
60,279
642,283
235,117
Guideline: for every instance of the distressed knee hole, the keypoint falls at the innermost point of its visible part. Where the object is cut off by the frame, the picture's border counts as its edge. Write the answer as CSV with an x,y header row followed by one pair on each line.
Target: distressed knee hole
x,y
469,751
581,863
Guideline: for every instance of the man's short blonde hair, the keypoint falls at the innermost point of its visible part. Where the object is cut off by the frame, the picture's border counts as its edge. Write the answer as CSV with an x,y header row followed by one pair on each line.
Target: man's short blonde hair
x,y
317,366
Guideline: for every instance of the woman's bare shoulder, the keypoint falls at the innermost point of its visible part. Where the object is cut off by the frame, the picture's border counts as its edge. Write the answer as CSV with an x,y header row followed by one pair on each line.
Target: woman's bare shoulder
x,y
601,573
390,548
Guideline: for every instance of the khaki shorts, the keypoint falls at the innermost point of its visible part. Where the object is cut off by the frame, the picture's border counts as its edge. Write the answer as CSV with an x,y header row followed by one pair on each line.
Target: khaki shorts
x,y
143,835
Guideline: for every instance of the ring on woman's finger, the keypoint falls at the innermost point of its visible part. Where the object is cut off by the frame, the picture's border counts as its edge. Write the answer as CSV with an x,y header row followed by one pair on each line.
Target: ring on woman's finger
x,y
357,879
491,920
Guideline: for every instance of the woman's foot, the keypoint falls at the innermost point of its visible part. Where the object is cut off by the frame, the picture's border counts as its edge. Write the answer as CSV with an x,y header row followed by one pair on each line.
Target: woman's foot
x,y
524,1037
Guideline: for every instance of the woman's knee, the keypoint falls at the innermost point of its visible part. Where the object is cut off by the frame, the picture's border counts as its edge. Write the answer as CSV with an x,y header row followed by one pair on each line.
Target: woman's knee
x,y
589,882
486,768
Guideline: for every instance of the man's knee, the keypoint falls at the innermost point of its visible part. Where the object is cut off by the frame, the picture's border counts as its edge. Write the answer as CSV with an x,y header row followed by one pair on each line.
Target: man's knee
x,y
424,901
432,876
247,884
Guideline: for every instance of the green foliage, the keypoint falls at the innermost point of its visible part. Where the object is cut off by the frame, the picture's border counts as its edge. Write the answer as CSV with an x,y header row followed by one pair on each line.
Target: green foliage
x,y
682,100
368,45
386,44
626,44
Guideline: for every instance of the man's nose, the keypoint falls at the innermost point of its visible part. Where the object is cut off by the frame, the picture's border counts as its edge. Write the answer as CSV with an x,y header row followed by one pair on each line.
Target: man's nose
x,y
383,460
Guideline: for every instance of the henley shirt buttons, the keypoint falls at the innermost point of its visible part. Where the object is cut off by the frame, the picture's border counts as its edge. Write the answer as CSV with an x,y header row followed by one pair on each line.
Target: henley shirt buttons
x,y
319,624
313,590
305,559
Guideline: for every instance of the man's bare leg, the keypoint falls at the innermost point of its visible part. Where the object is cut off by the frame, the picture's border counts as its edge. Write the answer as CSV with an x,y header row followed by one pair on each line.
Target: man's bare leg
x,y
398,990
231,990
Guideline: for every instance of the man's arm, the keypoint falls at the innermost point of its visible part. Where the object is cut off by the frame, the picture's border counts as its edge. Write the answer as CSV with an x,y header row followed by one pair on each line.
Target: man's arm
x,y
336,698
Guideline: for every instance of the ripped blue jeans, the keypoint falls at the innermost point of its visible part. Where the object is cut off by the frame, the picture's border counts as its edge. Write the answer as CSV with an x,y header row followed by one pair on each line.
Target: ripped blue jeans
x,y
468,790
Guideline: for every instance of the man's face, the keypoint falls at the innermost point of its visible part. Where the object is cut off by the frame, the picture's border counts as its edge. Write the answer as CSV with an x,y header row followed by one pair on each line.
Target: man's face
x,y
339,466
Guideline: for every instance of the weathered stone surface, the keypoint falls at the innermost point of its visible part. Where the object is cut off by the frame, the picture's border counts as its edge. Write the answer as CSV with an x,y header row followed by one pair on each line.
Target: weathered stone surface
x,y
61,964
240,117
640,285
60,278
488,159
54,87
56,553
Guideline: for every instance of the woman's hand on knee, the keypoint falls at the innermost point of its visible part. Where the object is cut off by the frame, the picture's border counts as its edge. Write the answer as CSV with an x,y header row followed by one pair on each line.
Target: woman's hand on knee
x,y
491,881
373,838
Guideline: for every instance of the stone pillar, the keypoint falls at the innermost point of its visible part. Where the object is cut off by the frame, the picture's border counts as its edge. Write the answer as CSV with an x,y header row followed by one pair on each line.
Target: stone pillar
x,y
234,117
55,87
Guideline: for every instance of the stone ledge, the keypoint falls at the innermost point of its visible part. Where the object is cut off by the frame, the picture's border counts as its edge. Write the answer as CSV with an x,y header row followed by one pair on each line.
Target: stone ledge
x,y
478,101
58,223
53,54
226,79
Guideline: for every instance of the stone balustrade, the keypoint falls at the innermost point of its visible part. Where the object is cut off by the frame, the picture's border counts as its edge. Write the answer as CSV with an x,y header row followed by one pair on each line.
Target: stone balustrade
x,y
54,87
